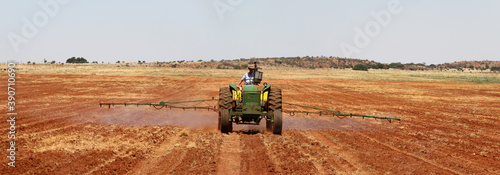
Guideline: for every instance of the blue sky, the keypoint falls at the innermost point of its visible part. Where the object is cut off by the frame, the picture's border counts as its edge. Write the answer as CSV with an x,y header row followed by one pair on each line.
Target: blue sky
x,y
430,31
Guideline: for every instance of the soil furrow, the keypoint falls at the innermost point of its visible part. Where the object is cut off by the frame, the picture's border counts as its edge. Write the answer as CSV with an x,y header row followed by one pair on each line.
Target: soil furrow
x,y
230,157
254,156
151,164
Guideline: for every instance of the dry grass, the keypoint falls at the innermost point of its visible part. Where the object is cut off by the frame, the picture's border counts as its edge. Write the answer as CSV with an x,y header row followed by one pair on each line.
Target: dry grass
x,y
269,73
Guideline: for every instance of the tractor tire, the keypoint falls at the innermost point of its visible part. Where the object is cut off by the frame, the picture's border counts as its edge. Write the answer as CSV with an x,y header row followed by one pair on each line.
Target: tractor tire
x,y
278,121
275,106
225,100
225,125
275,99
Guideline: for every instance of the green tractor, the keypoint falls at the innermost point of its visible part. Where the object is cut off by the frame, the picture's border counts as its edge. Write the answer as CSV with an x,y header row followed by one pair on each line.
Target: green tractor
x,y
250,106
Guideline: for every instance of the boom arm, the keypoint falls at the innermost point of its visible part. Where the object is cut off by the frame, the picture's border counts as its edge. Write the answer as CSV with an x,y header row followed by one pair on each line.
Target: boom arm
x,y
334,113
165,104
321,110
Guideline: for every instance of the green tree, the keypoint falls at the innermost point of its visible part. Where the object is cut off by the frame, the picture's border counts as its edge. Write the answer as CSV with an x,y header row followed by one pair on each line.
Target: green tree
x,y
396,65
360,67
81,60
71,60
495,69
76,60
380,66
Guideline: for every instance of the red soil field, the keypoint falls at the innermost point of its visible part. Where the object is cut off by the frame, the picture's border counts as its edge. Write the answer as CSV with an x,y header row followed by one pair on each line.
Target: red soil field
x,y
446,128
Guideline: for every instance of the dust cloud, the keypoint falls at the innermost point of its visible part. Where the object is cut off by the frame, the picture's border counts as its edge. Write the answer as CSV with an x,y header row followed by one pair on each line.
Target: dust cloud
x,y
315,122
146,116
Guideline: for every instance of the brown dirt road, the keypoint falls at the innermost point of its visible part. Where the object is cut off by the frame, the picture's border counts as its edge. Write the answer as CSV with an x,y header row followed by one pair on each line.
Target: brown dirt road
x,y
447,128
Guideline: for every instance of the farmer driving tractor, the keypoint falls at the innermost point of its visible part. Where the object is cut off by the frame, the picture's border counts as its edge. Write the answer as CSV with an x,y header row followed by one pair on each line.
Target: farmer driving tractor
x,y
248,77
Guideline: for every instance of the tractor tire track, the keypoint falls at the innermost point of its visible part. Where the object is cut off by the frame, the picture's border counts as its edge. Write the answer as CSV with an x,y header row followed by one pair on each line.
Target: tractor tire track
x,y
254,156
230,155
266,139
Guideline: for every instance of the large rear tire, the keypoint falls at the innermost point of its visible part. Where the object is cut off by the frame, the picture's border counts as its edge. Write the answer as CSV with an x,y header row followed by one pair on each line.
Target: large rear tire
x,y
224,124
275,106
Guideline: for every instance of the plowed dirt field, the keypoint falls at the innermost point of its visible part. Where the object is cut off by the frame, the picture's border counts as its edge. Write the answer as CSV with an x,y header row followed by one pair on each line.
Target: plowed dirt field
x,y
446,128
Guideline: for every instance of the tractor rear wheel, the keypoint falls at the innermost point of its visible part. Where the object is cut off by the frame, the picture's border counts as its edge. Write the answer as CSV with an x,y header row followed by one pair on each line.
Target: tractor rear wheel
x,y
225,99
275,106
